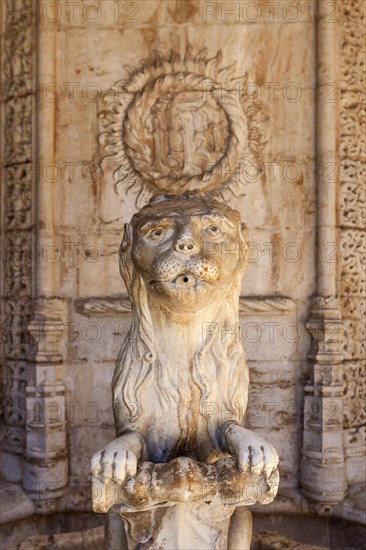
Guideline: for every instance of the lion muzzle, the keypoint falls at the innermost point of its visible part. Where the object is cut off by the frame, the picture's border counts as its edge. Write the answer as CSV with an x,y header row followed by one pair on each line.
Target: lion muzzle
x,y
177,270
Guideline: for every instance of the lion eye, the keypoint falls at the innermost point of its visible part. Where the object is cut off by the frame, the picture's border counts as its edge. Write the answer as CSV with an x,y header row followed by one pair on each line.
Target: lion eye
x,y
156,234
213,230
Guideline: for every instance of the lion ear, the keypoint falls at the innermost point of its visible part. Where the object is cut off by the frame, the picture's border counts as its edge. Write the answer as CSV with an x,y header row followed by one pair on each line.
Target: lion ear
x,y
125,265
127,237
245,239
244,232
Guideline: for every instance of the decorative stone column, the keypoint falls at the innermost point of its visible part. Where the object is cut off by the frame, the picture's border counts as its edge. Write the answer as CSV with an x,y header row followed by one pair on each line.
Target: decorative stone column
x,y
45,465
323,467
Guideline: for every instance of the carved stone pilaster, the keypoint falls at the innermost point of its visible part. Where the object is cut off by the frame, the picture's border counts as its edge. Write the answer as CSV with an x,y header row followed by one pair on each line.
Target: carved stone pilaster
x,y
45,465
323,468
45,470
323,472
33,431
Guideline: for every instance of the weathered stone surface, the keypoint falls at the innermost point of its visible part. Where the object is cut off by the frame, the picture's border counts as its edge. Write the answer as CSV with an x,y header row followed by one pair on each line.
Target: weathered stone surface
x,y
56,200
89,539
271,541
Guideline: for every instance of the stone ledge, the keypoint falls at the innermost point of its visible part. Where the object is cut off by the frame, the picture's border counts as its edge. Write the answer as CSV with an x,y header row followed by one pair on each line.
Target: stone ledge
x,y
90,539
120,305
266,540
93,539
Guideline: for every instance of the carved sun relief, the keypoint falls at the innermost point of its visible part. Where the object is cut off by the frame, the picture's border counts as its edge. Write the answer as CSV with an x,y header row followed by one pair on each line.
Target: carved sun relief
x,y
180,123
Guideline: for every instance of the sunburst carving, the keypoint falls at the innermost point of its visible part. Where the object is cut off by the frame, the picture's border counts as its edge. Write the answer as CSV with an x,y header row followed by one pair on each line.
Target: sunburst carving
x,y
180,123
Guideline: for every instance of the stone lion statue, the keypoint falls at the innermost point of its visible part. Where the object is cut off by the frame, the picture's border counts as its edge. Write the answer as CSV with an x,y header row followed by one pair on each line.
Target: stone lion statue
x,y
180,386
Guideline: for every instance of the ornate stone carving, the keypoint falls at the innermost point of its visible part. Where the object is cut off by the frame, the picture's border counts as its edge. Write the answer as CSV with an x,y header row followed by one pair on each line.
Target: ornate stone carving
x,y
353,194
355,450
352,222
323,412
18,197
324,303
354,393
353,254
18,48
353,341
180,123
46,466
18,128
352,62
168,376
352,125
18,98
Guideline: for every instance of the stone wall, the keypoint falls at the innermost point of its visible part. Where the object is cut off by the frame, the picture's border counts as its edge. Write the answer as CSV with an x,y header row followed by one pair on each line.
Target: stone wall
x,y
276,60
65,215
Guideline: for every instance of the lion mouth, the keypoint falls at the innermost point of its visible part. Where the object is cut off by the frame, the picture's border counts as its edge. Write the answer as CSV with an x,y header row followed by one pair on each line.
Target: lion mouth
x,y
183,280
186,280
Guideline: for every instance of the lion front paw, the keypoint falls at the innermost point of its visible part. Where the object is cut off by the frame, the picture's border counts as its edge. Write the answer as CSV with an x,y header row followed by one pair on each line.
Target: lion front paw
x,y
253,453
118,460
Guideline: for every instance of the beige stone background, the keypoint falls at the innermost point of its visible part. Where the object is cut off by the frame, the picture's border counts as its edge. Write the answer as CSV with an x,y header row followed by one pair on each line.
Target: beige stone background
x,y
63,223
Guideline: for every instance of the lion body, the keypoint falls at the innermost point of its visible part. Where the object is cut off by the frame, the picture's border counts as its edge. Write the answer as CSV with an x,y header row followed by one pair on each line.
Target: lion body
x,y
171,385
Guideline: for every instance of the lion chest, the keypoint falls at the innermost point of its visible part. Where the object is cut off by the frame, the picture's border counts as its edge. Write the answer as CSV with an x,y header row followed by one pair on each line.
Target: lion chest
x,y
172,419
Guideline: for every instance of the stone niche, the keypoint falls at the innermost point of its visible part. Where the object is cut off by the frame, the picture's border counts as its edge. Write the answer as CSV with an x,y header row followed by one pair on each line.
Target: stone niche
x,y
85,89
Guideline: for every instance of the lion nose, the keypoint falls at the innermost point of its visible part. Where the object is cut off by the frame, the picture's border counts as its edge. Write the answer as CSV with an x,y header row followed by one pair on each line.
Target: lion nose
x,y
186,245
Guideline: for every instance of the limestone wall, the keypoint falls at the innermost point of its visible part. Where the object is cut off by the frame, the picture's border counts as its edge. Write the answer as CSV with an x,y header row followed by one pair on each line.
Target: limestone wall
x,y
59,61
277,59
